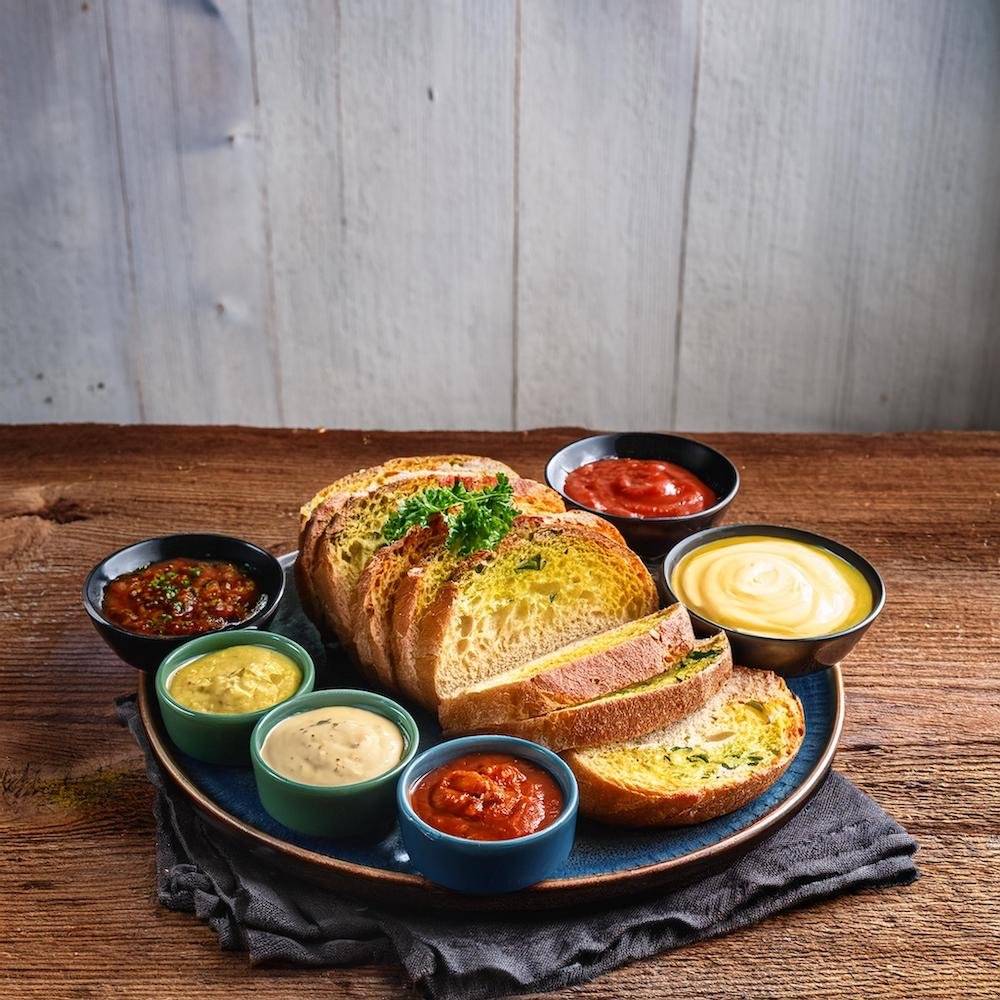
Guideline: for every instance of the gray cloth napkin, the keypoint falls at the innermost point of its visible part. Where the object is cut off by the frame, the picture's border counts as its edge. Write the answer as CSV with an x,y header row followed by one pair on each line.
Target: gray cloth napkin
x,y
841,840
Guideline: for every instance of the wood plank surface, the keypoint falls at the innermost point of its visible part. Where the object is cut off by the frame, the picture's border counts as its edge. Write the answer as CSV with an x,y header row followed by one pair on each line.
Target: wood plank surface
x,y
840,266
64,279
604,123
196,231
922,736
387,128
769,214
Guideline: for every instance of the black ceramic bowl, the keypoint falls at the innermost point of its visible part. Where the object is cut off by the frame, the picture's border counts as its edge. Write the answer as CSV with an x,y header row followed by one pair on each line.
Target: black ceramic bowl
x,y
789,657
146,651
651,537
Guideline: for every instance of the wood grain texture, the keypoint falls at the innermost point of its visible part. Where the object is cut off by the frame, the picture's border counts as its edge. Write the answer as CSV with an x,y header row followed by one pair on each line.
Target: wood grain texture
x,y
922,735
842,247
705,213
189,175
388,133
605,105
64,285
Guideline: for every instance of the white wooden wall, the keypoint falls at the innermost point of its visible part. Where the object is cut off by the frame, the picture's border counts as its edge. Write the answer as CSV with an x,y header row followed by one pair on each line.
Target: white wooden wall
x,y
741,214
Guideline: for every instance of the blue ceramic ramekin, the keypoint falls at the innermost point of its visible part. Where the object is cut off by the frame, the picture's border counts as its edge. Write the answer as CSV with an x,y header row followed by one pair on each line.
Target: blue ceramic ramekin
x,y
478,866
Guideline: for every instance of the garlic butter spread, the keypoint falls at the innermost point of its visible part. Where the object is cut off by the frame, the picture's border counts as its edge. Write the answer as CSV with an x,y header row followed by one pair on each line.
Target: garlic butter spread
x,y
338,745
774,587
235,679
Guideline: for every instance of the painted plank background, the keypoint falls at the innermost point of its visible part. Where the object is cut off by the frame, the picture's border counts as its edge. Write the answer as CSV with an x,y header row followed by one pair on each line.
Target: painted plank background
x,y
745,214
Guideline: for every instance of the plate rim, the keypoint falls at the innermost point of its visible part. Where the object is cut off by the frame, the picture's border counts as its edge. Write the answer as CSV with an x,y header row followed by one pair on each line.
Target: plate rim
x,y
551,891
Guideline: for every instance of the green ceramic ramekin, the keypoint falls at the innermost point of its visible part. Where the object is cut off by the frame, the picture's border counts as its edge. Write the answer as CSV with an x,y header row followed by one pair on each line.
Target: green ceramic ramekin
x,y
366,807
213,736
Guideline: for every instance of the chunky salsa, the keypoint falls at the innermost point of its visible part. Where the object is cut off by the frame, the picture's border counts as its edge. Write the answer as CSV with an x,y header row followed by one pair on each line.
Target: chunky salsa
x,y
487,796
181,597
638,487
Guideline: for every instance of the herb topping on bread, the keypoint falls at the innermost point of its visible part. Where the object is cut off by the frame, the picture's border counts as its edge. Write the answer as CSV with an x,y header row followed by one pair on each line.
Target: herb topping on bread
x,y
711,762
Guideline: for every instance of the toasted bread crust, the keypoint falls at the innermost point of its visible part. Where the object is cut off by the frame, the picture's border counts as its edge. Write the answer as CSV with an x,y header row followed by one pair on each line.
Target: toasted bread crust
x,y
315,516
432,629
624,718
589,676
412,593
376,588
335,585
609,803
622,803
355,482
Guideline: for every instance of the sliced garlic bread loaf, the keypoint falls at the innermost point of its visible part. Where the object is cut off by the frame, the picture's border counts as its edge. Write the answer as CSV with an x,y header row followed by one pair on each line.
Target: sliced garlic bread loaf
x,y
712,762
534,593
376,590
315,515
640,708
355,532
363,479
418,587
576,673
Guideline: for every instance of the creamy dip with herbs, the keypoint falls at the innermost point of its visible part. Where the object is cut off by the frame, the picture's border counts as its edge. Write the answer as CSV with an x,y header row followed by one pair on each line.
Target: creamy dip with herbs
x,y
337,745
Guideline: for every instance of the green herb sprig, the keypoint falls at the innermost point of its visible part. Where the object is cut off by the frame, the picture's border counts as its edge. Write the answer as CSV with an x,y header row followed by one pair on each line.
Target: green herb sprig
x,y
476,520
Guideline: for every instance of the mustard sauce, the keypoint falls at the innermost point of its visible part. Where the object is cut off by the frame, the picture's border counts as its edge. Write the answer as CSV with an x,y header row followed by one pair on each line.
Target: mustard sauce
x,y
773,587
235,679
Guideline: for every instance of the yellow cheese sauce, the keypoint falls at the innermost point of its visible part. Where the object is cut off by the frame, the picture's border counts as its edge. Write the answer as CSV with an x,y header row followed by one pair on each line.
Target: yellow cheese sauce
x,y
235,679
337,745
774,587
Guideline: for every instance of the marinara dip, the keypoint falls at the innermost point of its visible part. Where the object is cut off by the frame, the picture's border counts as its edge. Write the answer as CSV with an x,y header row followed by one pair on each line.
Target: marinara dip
x,y
181,597
638,487
487,796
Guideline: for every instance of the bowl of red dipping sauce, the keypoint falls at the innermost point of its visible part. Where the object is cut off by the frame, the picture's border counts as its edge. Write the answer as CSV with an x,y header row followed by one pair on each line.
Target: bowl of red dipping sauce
x,y
656,489
147,599
487,814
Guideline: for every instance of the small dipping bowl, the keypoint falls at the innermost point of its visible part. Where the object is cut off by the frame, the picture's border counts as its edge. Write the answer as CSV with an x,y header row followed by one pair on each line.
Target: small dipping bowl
x,y
221,737
791,657
362,808
651,537
487,866
147,651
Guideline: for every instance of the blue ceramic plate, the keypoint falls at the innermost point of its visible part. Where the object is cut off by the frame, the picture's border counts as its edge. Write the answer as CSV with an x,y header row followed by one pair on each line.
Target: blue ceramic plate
x,y
605,860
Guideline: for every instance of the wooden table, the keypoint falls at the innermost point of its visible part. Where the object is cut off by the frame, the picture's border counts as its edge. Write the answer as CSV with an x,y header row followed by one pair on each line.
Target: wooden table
x,y
78,914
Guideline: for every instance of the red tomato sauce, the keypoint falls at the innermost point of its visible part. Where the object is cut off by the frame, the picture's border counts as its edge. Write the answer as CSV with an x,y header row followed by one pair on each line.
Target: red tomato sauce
x,y
638,487
181,597
487,796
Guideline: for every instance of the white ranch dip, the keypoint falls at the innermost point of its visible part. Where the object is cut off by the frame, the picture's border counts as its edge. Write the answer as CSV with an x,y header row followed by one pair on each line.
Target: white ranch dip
x,y
338,745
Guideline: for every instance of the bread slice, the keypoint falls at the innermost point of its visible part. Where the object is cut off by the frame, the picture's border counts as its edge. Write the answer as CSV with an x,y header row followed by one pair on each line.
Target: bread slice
x,y
576,673
363,479
380,579
419,586
534,593
634,710
712,762
355,532
315,515
376,589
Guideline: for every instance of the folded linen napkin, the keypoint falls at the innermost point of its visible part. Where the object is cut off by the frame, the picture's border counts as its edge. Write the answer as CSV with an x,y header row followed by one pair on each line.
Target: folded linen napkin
x,y
841,840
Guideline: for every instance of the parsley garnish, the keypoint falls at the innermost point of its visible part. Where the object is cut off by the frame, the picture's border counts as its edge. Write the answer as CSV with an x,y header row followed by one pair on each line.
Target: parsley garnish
x,y
476,520
535,562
